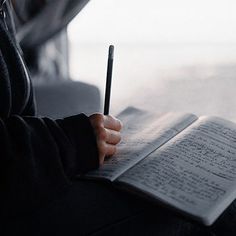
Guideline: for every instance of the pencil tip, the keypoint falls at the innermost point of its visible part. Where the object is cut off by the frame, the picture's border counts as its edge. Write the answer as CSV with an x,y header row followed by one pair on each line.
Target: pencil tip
x,y
111,51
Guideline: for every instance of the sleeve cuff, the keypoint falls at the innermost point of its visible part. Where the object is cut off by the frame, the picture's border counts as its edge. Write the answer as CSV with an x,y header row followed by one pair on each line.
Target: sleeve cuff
x,y
80,132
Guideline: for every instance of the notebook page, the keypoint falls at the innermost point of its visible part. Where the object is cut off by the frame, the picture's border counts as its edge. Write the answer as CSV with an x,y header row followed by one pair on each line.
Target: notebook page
x,y
141,135
195,172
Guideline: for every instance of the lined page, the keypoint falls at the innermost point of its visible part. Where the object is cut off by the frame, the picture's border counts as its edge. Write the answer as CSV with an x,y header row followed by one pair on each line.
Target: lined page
x,y
141,135
194,172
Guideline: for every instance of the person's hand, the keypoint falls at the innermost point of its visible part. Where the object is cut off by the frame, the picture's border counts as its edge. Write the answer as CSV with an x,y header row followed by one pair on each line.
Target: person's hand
x,y
107,131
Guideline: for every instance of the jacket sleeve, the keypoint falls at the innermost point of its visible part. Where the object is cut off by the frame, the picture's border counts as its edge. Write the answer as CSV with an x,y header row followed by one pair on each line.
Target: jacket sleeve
x,y
39,157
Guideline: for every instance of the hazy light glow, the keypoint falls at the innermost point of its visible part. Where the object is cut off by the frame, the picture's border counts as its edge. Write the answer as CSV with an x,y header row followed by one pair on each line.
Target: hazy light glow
x,y
160,46
156,21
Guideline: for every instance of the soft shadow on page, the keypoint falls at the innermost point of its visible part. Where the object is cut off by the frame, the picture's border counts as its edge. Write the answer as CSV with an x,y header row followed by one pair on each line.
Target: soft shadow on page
x,y
195,172
143,133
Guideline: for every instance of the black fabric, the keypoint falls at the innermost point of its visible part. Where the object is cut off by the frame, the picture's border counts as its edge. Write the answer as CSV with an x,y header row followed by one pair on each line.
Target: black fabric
x,y
39,156
107,211
18,91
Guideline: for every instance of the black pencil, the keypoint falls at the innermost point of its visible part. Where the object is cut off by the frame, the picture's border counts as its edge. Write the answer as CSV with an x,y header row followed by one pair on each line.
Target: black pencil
x,y
109,80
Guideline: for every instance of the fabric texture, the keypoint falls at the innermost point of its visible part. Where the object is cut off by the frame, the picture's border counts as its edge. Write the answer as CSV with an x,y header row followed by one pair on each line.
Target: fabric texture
x,y
45,46
39,156
108,211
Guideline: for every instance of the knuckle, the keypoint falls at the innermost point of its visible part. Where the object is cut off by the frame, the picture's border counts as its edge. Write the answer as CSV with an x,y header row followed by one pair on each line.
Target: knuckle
x,y
109,118
118,124
99,118
118,138
102,134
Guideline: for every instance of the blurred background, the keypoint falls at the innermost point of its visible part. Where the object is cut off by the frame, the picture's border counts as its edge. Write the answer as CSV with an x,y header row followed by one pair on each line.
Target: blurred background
x,y
169,55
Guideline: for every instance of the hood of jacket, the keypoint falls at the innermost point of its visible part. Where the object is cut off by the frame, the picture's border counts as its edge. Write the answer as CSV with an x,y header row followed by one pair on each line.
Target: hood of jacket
x,y
15,86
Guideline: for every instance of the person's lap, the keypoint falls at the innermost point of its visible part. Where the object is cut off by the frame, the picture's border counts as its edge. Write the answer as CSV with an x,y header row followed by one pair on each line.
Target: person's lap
x,y
91,208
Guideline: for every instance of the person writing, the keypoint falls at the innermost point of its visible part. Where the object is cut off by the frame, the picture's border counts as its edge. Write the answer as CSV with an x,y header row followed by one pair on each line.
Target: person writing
x,y
41,156
41,159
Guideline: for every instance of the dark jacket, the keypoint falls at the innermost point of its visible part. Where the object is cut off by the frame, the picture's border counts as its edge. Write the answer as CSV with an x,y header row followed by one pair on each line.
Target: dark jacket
x,y
39,157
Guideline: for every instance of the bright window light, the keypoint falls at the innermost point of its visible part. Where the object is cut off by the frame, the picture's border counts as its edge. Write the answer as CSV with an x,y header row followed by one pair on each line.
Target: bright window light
x,y
153,40
155,21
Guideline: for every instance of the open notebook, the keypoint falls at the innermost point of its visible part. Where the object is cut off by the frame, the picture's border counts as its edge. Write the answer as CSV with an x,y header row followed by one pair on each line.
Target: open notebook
x,y
180,160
